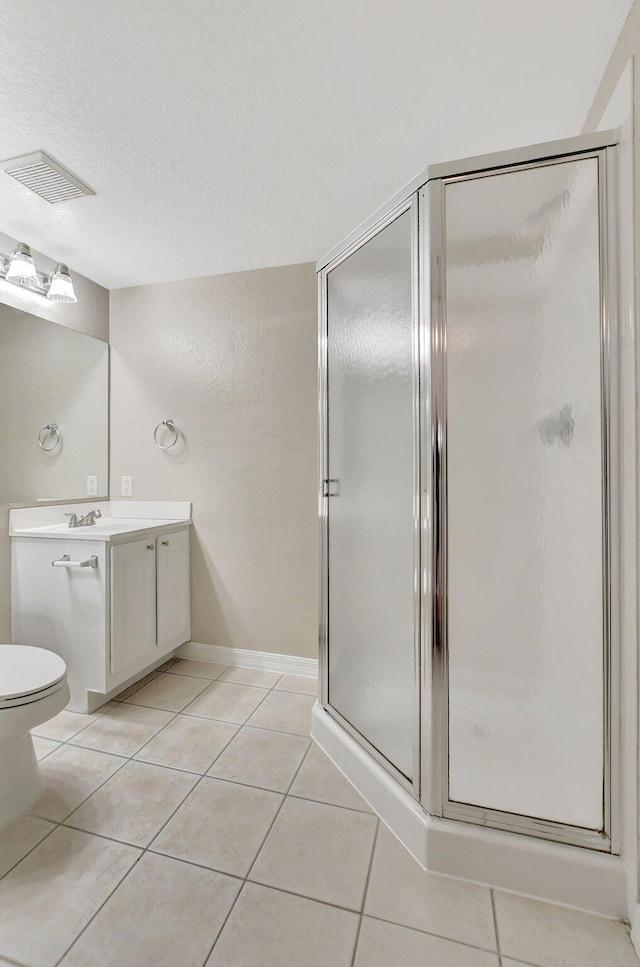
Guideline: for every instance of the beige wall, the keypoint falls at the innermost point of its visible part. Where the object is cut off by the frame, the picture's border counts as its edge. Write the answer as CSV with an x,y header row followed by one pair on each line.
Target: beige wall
x,y
232,359
90,315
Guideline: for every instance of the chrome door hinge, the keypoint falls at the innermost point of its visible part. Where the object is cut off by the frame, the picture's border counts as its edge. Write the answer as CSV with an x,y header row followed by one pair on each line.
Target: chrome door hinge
x,y
330,488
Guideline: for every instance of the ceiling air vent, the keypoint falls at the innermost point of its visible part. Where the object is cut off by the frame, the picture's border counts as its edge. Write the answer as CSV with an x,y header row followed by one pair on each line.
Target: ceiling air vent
x,y
46,177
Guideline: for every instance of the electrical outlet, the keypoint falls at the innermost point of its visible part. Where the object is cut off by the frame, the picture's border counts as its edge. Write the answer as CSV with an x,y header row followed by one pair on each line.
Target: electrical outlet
x,y
126,487
92,486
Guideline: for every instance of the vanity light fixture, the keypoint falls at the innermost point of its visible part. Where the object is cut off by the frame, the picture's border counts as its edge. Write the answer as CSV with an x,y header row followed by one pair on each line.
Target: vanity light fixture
x,y
60,285
19,269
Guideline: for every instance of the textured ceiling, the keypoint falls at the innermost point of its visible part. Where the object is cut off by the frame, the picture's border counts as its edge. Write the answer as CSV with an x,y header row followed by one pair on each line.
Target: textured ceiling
x,y
224,135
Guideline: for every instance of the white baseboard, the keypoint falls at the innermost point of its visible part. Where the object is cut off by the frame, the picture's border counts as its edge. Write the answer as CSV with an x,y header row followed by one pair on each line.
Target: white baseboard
x,y
244,658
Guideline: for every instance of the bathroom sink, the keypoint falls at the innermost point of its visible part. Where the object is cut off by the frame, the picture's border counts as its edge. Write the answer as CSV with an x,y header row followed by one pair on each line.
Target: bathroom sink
x,y
115,525
103,530
118,520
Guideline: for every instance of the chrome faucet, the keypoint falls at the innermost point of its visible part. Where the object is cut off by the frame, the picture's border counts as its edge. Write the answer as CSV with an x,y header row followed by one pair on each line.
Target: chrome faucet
x,y
85,521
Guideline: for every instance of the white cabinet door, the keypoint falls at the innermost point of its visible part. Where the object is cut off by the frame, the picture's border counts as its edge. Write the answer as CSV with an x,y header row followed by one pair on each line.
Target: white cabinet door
x,y
133,603
174,605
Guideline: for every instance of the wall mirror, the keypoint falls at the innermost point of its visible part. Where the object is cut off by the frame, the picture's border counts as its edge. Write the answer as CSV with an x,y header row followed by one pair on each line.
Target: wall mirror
x,y
54,395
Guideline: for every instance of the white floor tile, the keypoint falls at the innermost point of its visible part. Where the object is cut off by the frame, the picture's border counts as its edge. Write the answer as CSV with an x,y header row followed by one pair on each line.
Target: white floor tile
x,y
321,852
298,683
124,729
319,779
553,936
66,725
221,825
401,891
164,914
168,692
134,805
268,928
250,676
18,838
48,898
71,774
198,669
188,743
385,944
284,712
227,702
260,758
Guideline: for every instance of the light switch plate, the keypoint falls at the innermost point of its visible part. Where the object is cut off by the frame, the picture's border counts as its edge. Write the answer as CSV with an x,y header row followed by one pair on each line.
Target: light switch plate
x,y
126,487
92,486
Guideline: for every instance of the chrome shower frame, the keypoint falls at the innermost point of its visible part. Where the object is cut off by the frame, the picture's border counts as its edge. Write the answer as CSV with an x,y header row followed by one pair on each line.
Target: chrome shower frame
x,y
424,196
435,735
407,204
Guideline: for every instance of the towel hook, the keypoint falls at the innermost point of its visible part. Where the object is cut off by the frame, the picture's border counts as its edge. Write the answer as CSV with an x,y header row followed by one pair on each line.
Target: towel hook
x,y
174,429
49,428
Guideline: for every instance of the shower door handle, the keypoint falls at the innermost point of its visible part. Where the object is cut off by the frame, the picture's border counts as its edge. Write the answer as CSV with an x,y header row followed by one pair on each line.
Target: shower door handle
x,y
330,487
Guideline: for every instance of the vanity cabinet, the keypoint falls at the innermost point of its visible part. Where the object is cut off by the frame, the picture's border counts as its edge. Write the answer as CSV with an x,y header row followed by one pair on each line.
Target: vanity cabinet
x,y
150,600
133,603
114,606
173,597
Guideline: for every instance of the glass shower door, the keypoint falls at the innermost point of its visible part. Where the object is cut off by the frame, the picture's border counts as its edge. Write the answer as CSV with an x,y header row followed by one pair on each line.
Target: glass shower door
x,y
370,621
525,484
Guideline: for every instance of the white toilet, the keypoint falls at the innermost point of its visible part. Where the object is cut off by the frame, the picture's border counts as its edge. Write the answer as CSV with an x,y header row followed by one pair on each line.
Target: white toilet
x,y
33,688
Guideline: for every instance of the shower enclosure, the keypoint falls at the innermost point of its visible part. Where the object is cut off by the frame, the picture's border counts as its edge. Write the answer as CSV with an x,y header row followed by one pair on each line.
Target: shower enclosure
x,y
469,501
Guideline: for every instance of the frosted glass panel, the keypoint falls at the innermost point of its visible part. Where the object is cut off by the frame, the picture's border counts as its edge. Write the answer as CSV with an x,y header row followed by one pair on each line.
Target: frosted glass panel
x,y
371,529
525,603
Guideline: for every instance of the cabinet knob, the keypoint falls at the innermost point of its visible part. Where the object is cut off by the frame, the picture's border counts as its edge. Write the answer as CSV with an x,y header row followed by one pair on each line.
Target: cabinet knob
x,y
165,543
150,547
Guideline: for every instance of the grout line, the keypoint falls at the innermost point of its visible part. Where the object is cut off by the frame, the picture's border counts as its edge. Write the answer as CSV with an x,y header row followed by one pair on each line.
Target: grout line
x,y
284,798
303,896
335,805
293,691
440,936
54,826
129,700
247,721
495,924
41,738
106,900
158,730
366,890
224,923
163,765
248,873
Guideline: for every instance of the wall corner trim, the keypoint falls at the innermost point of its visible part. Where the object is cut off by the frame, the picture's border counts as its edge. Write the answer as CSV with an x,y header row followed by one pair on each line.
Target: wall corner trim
x,y
245,658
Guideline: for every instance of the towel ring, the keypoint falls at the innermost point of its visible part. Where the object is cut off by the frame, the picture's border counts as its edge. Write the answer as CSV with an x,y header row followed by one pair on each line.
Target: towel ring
x,y
49,428
174,429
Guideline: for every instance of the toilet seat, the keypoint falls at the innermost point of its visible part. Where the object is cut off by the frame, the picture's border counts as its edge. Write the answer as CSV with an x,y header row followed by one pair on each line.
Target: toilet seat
x,y
28,674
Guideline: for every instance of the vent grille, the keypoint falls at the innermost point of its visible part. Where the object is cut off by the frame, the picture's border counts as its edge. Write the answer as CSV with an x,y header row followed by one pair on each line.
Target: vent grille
x,y
46,177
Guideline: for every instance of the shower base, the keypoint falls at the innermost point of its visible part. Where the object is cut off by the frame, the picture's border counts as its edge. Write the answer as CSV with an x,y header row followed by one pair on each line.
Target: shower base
x,y
521,864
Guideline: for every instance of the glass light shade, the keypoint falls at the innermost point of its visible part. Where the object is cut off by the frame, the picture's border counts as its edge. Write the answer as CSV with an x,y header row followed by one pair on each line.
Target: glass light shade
x,y
21,268
60,285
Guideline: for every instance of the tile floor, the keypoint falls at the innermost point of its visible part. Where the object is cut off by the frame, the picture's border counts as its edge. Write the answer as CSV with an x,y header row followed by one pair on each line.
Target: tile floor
x,y
192,823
